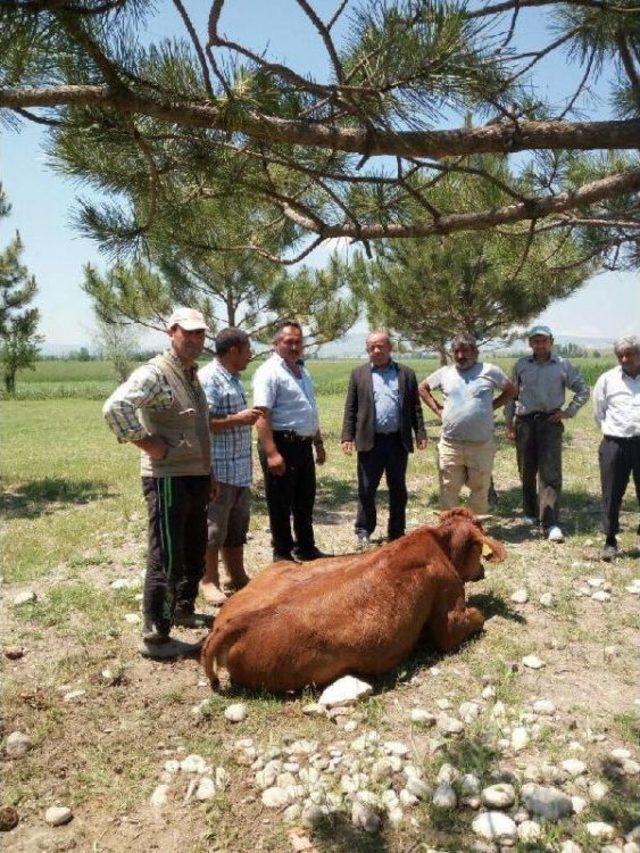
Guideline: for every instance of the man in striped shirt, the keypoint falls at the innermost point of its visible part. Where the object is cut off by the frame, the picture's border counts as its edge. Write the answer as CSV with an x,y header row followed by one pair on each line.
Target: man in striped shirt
x,y
230,421
162,410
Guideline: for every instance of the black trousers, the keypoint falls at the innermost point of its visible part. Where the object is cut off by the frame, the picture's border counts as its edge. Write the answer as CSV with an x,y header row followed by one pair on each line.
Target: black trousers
x,y
618,458
177,508
539,452
290,495
389,456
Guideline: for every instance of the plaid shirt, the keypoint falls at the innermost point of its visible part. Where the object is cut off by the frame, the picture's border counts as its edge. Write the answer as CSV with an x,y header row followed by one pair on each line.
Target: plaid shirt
x,y
145,388
230,448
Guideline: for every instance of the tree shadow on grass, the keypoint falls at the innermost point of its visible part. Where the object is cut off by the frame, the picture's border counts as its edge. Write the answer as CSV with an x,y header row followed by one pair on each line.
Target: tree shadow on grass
x,y
621,806
580,513
336,834
45,496
494,605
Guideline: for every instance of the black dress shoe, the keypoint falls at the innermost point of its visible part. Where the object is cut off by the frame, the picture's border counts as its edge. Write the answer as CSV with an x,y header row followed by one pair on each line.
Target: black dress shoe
x,y
189,619
312,554
287,557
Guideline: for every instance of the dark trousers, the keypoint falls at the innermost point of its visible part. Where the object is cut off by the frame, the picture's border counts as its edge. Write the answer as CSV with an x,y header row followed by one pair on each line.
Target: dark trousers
x,y
618,457
290,495
389,456
539,451
177,509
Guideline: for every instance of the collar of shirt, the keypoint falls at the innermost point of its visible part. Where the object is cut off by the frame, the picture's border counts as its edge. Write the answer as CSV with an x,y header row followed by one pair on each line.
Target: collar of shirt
x,y
190,372
390,365
282,361
532,359
226,373
625,375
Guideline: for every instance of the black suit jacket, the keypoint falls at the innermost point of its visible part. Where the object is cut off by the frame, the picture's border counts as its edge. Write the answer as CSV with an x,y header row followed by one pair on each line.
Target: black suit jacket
x,y
358,423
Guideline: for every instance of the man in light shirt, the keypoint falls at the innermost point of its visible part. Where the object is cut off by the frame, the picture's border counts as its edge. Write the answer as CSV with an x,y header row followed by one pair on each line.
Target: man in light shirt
x,y
541,380
616,404
162,410
230,421
288,432
467,444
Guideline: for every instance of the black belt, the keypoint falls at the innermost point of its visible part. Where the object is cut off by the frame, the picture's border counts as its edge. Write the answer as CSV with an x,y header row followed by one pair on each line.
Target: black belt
x,y
621,437
534,415
290,435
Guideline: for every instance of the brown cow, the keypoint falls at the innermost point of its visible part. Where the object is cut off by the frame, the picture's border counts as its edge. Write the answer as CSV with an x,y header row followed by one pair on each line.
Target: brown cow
x,y
295,625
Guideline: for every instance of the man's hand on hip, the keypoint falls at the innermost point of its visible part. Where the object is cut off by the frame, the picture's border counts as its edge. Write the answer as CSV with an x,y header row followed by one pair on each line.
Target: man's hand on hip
x,y
556,417
321,454
421,444
346,446
510,432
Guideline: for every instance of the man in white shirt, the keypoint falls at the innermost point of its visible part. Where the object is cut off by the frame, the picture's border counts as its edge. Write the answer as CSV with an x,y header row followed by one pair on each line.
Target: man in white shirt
x,y
616,403
467,444
287,431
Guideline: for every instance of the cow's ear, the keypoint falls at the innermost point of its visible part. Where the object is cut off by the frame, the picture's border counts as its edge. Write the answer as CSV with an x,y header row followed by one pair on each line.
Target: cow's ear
x,y
492,550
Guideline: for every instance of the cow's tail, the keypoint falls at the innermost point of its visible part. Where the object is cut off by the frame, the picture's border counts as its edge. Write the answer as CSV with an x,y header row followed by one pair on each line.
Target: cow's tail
x,y
215,651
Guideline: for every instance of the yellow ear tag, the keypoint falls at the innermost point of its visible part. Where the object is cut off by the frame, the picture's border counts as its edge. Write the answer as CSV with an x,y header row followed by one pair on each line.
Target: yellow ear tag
x,y
487,551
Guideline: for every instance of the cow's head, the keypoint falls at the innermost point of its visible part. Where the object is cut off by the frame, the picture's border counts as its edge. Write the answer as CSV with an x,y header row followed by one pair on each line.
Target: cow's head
x,y
466,543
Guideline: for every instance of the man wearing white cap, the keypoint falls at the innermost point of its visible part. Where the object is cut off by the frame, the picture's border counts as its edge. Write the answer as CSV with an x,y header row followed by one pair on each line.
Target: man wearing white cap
x,y
541,380
162,409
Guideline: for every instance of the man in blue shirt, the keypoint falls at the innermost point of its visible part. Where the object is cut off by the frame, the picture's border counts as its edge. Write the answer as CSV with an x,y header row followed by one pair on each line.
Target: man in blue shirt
x,y
288,430
381,411
230,421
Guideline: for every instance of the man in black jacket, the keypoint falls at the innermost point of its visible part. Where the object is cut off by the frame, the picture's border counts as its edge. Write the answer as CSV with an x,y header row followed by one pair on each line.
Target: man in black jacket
x,y
381,411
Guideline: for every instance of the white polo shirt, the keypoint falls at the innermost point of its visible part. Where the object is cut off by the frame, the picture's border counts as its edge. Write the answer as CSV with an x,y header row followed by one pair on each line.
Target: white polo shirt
x,y
616,403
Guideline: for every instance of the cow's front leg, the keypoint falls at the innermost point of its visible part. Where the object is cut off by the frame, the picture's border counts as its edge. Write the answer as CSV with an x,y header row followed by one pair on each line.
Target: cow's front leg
x,y
452,622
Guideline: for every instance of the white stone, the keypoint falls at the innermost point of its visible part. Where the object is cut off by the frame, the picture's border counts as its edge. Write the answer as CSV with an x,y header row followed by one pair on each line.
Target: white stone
x,y
469,785
418,788
579,804
443,704
574,766
601,831
469,711
18,744
630,767
545,707
598,791
407,798
630,847
519,738
344,691
74,695
489,692
596,583
570,847
601,596
172,766
620,754
532,662
206,789
395,747
126,583
235,713
221,778
450,726
529,831
546,599
495,826
25,597
520,596
444,797
303,747
499,796
193,764
447,774
57,815
547,802
312,814
422,717
284,780
275,798
364,817
132,618
395,815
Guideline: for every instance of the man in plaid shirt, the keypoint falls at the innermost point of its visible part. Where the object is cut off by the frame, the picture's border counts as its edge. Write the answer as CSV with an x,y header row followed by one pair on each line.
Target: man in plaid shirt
x,y
230,421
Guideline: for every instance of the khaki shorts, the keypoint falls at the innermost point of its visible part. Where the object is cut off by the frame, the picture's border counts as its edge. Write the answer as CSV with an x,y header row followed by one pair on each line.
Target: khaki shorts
x,y
228,517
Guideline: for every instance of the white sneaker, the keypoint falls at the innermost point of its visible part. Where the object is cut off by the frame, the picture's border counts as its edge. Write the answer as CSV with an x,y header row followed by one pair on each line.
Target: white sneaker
x,y
555,534
529,520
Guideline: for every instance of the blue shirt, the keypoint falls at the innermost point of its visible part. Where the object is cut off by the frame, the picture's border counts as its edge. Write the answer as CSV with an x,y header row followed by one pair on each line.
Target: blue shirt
x,y
290,399
386,398
230,448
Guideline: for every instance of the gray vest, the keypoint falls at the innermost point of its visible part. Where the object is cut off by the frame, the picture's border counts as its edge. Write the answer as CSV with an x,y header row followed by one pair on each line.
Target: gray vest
x,y
184,426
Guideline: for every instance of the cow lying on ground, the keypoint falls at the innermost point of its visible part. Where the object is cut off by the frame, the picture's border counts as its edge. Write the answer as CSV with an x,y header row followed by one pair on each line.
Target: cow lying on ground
x,y
296,625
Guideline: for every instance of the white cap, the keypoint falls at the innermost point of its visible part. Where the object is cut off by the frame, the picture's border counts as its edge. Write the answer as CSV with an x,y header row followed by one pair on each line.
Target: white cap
x,y
188,319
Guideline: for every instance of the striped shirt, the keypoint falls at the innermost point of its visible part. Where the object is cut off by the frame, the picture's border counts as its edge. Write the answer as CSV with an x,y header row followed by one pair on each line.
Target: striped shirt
x,y
145,388
230,448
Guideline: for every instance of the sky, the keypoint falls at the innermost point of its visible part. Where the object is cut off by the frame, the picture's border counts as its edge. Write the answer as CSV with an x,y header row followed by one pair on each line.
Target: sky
x,y
43,201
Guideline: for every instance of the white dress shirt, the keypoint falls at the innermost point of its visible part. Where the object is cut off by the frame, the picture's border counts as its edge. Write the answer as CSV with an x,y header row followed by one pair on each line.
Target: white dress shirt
x,y
616,403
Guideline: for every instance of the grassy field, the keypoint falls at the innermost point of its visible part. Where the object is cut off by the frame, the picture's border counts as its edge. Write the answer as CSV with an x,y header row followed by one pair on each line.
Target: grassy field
x,y
74,522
